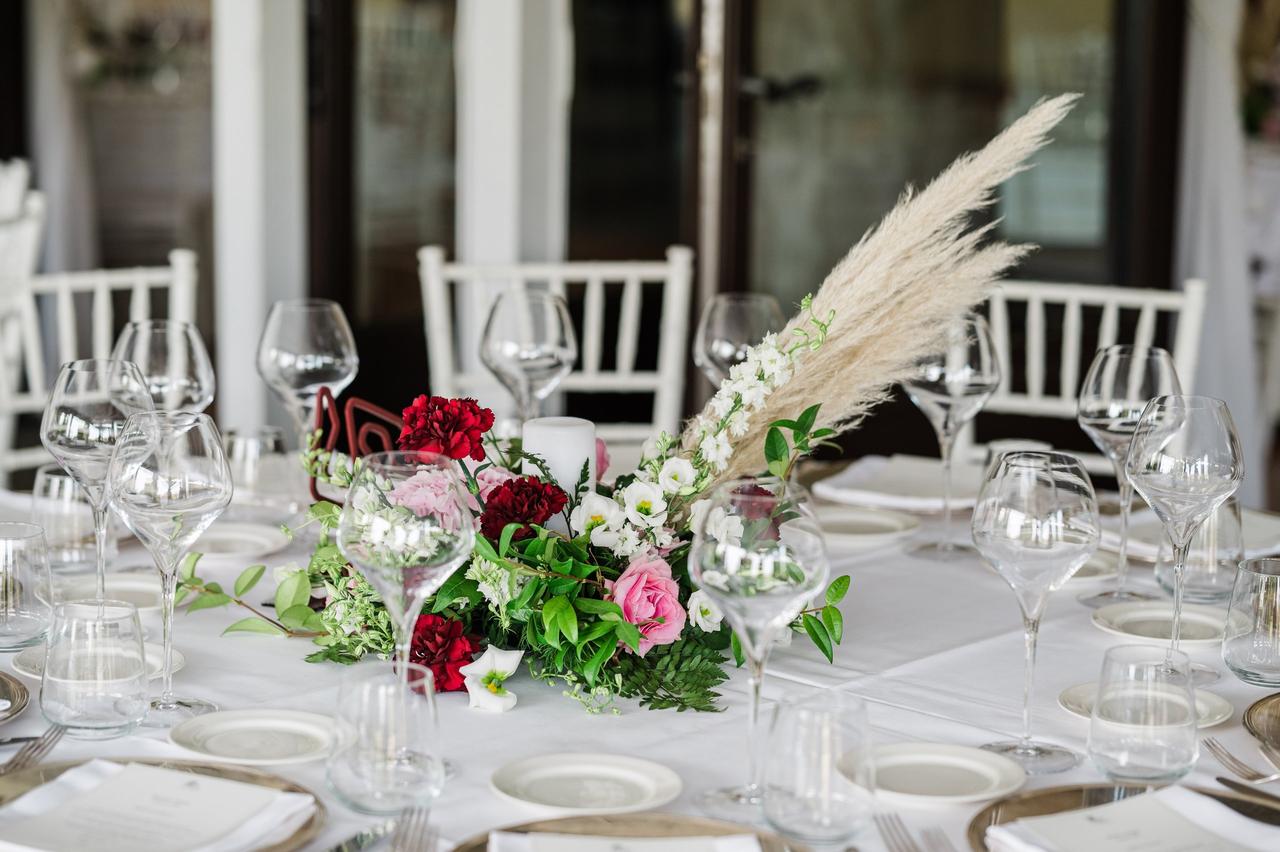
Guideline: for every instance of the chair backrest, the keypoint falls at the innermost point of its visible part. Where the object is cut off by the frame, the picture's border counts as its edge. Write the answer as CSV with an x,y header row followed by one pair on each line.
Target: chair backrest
x,y
454,293
15,179
58,302
1064,317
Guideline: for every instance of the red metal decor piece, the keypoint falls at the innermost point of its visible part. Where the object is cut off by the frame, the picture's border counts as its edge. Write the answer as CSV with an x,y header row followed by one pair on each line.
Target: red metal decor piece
x,y
375,435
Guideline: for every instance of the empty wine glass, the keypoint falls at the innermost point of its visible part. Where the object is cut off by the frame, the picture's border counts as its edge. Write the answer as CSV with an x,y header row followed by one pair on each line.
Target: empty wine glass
x,y
951,387
87,410
173,361
732,323
760,555
1185,461
1120,382
169,481
306,345
529,345
1035,523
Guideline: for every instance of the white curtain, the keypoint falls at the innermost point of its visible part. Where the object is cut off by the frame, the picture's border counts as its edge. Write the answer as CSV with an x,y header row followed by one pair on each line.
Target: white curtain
x,y
1211,227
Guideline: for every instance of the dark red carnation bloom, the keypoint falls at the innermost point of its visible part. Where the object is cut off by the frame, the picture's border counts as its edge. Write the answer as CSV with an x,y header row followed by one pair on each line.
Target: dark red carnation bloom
x,y
440,645
525,500
754,510
452,427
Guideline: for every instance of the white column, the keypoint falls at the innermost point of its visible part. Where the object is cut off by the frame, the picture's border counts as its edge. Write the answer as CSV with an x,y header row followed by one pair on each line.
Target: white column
x,y
259,156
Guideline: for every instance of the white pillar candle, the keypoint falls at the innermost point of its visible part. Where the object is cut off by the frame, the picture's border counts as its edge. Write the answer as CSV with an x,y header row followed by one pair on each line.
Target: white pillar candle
x,y
564,443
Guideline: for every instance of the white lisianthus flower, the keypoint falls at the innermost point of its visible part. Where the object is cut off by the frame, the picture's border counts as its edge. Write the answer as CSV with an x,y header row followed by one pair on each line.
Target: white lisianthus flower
x,y
723,526
595,510
646,506
677,473
485,680
703,612
715,450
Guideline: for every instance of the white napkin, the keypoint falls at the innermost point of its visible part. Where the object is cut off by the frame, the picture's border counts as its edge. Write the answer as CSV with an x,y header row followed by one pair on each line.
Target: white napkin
x,y
911,483
504,841
15,507
272,824
1261,535
1174,817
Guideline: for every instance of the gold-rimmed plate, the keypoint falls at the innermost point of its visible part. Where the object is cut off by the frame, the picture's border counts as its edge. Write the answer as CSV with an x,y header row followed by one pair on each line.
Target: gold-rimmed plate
x,y
1074,797
1262,719
15,692
15,785
648,825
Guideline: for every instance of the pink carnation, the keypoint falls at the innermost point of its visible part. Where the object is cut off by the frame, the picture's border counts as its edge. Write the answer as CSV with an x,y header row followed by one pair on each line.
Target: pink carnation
x,y
602,458
650,599
490,478
432,492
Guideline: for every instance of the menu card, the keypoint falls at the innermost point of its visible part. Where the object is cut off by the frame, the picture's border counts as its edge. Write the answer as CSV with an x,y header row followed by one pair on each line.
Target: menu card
x,y
503,841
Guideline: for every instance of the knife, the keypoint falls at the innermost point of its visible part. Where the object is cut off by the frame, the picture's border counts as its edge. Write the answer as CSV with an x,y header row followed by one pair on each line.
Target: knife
x,y
365,839
1249,790
8,741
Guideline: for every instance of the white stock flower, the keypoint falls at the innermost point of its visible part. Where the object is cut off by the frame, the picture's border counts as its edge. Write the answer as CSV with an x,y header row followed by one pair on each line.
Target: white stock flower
x,y
722,403
737,425
628,543
715,450
645,504
703,612
676,473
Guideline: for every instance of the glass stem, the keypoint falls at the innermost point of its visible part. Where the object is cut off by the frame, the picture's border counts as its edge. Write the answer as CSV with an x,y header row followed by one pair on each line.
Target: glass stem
x,y
1126,506
101,517
1180,550
168,586
1031,631
755,678
946,441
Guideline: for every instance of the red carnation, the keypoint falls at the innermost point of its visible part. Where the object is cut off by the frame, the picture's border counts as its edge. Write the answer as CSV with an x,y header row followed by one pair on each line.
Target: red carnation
x,y
524,500
452,427
440,645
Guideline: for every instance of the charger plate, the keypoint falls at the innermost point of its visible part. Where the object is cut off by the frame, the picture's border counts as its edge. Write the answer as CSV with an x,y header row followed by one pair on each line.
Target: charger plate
x,y
638,825
15,692
1074,797
15,785
1262,719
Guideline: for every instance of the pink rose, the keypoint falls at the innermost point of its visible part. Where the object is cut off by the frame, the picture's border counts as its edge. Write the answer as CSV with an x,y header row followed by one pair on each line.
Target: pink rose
x,y
650,599
433,492
602,458
490,478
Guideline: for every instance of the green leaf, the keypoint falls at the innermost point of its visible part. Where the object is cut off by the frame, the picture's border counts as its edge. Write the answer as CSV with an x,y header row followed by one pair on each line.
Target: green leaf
x,y
775,446
735,645
293,590
629,635
551,619
249,578
569,622
253,624
326,513
808,418
296,616
595,631
818,633
592,669
485,549
187,569
833,620
838,589
181,595
457,586
209,602
595,606
508,532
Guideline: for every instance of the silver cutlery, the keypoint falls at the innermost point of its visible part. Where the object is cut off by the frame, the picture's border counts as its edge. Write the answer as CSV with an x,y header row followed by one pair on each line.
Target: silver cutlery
x,y
936,840
8,741
413,831
31,753
1236,766
895,833
365,839
1232,784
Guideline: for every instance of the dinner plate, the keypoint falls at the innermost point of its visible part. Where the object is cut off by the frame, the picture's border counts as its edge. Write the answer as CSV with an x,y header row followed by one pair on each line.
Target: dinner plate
x,y
635,825
30,661
230,541
942,774
580,784
1074,797
902,482
1261,531
1211,708
141,590
855,529
19,783
1262,719
258,737
1152,621
1100,566
15,692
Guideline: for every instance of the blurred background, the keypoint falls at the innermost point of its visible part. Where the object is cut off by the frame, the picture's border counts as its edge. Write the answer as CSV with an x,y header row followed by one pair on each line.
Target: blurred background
x,y
311,147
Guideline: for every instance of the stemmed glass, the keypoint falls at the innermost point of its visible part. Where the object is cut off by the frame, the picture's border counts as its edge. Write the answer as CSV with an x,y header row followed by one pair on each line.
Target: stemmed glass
x,y
951,387
87,410
172,359
1185,461
1120,383
406,526
306,345
761,561
529,345
732,323
1036,523
169,481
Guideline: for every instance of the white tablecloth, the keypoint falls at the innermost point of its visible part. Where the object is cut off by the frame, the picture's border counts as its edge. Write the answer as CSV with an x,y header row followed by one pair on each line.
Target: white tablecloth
x,y
936,648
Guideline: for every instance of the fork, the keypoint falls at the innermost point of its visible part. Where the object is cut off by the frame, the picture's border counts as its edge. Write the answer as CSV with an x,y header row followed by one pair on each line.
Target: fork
x,y
413,832
936,840
1236,766
31,753
895,833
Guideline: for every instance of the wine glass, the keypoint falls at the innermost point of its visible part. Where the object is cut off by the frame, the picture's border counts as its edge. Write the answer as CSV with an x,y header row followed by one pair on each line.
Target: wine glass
x,y
306,345
761,561
529,345
732,323
1185,461
87,410
169,481
173,361
951,387
1035,523
1121,381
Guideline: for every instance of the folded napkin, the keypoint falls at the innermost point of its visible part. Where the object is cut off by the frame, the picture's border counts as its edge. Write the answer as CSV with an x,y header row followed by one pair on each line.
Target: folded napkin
x,y
1146,534
505,841
148,807
911,483
1172,818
